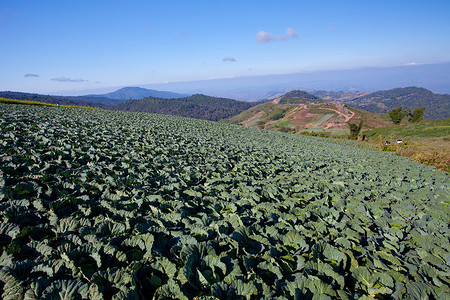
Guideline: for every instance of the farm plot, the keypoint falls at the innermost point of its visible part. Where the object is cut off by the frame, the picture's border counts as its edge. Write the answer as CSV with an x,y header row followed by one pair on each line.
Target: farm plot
x,y
323,119
114,205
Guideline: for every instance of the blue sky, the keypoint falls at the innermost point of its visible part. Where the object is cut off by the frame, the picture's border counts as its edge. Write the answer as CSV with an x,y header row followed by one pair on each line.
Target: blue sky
x,y
53,46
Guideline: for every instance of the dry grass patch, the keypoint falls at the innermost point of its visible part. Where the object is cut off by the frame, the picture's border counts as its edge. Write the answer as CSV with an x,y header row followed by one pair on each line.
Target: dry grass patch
x,y
434,152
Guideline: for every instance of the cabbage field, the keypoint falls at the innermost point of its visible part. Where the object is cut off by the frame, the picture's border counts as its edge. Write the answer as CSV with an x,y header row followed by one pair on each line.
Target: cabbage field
x,y
114,205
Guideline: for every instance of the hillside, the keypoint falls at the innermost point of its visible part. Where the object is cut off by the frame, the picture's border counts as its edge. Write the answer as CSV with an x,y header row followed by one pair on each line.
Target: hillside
x,y
62,100
127,93
437,105
196,106
99,204
298,111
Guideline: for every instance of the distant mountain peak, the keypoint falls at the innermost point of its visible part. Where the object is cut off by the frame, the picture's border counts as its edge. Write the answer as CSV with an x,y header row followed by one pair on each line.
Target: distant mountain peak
x,y
301,94
134,88
297,97
137,93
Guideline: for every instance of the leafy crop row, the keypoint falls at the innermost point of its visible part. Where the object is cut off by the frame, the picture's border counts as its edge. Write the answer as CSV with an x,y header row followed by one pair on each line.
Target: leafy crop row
x,y
114,205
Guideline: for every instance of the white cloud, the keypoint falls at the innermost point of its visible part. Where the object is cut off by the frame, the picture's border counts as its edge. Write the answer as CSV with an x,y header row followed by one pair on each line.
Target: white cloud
x,y
31,75
290,34
65,79
264,37
228,58
413,63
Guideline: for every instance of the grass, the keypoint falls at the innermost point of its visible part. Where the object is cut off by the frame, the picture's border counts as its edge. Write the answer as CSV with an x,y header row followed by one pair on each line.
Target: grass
x,y
276,114
416,131
367,114
323,119
426,142
283,123
320,111
434,152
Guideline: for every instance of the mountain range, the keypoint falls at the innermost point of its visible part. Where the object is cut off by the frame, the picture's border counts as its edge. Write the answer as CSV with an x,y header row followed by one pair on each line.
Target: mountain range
x,y
195,106
437,106
216,108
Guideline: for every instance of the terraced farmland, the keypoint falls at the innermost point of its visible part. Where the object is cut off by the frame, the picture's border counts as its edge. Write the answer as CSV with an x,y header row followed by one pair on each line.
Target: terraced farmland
x,y
113,205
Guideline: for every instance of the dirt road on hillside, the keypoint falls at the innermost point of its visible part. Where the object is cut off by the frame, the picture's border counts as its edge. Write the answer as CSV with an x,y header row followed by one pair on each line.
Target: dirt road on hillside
x,y
342,111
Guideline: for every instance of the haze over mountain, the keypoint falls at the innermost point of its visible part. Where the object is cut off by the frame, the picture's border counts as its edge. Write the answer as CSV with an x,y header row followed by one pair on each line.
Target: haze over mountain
x,y
435,77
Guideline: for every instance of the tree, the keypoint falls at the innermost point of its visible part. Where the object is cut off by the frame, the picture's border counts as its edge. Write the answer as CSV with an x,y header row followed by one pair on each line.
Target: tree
x,y
417,114
397,115
355,129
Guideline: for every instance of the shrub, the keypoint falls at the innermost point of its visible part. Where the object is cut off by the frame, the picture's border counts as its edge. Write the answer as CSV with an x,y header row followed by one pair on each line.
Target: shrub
x,y
355,130
417,115
397,115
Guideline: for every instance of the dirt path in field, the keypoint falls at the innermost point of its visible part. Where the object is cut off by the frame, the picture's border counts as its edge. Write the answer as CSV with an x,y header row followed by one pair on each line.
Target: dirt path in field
x,y
345,113
342,111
